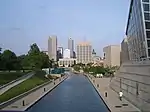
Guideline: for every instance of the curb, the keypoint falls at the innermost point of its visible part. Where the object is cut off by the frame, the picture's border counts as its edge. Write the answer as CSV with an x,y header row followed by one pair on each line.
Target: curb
x,y
99,94
38,99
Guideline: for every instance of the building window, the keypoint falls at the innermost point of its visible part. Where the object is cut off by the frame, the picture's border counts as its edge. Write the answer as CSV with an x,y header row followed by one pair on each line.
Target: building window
x,y
147,24
145,0
148,34
149,52
147,16
148,43
146,7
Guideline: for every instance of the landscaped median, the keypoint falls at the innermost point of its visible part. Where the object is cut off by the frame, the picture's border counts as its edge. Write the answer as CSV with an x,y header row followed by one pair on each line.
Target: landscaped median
x,y
6,77
24,101
36,80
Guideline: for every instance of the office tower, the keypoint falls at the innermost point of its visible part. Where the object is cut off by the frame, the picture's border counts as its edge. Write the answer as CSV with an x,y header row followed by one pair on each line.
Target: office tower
x,y
112,55
138,29
67,53
84,53
124,56
52,47
71,46
59,53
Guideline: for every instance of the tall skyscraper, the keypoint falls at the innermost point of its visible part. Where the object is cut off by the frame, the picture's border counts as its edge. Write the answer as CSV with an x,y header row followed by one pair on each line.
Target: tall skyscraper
x,y
71,46
112,55
52,47
138,29
124,56
84,52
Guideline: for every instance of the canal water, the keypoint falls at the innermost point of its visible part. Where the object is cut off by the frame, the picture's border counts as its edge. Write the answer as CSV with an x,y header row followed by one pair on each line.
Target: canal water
x,y
75,94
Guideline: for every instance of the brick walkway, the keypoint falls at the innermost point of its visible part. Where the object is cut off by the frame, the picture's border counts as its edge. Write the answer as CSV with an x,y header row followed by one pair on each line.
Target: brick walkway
x,y
29,100
112,99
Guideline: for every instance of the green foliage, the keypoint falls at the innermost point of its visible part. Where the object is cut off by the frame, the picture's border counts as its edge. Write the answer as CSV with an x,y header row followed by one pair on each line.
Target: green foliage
x,y
76,68
9,61
35,59
34,49
6,77
88,68
30,83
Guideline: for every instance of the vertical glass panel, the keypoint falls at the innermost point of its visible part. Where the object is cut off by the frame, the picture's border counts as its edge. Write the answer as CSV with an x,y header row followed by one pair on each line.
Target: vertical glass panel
x,y
146,7
148,43
148,34
149,52
147,24
147,16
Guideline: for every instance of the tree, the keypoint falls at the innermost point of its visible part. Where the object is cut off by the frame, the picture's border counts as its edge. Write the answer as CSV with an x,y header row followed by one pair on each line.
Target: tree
x,y
0,59
21,59
45,60
34,49
35,57
10,61
76,68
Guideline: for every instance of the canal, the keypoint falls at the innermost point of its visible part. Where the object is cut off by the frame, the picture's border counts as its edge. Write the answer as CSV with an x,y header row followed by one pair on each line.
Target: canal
x,y
75,94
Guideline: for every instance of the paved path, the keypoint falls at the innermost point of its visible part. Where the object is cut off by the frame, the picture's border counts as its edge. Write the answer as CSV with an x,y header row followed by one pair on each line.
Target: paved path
x,y
112,99
33,97
14,83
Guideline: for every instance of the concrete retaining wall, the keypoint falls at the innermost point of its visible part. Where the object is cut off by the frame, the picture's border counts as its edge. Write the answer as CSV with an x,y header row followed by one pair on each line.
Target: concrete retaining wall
x,y
134,80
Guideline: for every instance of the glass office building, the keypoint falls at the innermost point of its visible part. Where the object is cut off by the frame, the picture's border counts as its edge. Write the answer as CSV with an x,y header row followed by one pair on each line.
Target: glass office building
x,y
138,29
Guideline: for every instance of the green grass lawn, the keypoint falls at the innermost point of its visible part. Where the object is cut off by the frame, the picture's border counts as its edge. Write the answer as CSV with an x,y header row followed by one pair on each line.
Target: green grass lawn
x,y
34,81
6,77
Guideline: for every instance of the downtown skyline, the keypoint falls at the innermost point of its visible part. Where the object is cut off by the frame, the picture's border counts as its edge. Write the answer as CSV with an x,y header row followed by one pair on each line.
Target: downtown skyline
x,y
35,23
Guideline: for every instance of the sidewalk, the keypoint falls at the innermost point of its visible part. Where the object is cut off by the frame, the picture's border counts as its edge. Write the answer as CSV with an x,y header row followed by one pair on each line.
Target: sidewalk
x,y
29,100
112,99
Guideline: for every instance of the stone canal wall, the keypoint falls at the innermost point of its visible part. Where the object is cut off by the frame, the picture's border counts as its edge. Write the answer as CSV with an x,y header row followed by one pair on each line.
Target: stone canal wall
x,y
110,97
26,101
134,80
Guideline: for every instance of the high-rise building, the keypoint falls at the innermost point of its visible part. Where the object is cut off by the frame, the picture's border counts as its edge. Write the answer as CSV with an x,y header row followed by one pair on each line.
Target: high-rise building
x,y
59,53
124,56
52,47
138,29
71,46
84,52
67,53
112,55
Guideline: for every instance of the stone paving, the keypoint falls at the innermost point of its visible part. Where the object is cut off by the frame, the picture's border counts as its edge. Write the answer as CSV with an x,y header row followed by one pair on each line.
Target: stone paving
x,y
27,101
112,99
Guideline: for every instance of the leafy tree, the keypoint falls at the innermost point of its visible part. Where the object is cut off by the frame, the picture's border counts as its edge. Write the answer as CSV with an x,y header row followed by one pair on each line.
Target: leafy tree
x,y
21,60
45,60
35,57
0,59
10,61
76,68
34,49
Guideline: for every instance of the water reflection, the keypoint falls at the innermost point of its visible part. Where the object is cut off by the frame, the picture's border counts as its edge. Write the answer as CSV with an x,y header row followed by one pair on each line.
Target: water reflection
x,y
76,94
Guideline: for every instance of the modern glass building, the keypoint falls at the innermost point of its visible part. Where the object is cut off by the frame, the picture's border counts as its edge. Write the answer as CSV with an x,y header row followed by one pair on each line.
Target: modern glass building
x,y
138,29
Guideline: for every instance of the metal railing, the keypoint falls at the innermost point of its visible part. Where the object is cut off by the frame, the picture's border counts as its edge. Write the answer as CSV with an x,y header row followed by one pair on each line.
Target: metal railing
x,y
144,61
